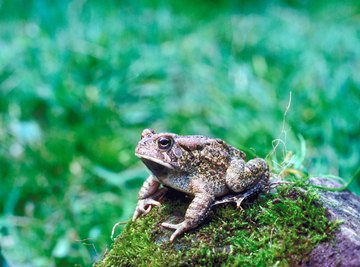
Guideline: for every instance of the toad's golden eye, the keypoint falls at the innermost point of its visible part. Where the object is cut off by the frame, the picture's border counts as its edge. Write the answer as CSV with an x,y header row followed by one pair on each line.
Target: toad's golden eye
x,y
165,143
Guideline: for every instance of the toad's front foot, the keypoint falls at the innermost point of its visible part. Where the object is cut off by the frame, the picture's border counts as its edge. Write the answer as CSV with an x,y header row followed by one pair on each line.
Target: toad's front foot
x,y
180,228
195,214
144,206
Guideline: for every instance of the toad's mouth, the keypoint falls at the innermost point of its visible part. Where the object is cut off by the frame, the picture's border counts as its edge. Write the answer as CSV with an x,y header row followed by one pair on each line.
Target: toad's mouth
x,y
156,166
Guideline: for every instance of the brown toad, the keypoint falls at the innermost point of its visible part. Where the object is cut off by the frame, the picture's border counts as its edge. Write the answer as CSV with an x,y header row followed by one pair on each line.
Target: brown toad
x,y
202,167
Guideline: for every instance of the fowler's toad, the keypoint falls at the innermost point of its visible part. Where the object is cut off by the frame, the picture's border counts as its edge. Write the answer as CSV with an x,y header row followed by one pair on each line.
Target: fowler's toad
x,y
202,167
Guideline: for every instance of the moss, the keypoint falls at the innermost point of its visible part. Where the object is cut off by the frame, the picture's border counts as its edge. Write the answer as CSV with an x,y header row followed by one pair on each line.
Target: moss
x,y
278,229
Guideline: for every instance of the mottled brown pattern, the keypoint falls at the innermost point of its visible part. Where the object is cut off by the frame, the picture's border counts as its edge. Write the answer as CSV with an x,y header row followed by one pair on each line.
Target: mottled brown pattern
x,y
200,166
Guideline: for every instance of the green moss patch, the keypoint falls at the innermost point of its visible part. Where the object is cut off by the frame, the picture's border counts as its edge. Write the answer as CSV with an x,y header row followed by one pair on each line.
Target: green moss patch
x,y
278,229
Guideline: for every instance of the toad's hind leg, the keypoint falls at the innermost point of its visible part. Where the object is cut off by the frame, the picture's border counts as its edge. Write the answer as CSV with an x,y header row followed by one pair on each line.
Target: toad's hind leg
x,y
248,178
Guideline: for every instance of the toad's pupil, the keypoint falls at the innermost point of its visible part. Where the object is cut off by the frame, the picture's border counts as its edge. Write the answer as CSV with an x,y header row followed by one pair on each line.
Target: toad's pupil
x,y
164,142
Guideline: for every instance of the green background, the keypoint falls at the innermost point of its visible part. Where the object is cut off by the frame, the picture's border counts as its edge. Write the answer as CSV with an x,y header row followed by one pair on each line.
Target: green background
x,y
80,80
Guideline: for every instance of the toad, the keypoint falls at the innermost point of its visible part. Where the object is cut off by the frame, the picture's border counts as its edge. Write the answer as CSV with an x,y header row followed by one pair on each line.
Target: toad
x,y
207,169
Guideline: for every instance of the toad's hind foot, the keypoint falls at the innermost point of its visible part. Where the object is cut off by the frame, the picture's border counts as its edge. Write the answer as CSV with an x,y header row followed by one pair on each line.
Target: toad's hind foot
x,y
238,199
251,193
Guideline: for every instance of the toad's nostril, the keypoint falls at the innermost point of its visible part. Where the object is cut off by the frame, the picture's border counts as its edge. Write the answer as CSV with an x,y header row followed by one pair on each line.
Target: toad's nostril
x,y
147,132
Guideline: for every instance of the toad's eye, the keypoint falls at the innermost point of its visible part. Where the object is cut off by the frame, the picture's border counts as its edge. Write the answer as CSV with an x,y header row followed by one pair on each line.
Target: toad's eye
x,y
164,143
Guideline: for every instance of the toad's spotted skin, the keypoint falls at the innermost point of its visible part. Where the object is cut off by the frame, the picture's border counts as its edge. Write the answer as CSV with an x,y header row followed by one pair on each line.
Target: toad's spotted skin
x,y
199,166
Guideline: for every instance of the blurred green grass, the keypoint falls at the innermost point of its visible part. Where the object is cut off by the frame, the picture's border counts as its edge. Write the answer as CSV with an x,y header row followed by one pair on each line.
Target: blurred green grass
x,y
79,81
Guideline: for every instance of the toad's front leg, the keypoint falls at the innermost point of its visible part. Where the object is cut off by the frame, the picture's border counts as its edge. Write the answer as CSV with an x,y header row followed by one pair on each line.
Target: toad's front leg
x,y
147,195
197,211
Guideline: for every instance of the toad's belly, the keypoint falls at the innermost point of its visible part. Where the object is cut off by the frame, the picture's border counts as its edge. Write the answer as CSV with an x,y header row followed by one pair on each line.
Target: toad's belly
x,y
178,182
183,184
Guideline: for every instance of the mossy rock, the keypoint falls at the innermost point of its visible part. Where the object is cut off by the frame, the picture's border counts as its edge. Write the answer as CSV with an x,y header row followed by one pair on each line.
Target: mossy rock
x,y
277,229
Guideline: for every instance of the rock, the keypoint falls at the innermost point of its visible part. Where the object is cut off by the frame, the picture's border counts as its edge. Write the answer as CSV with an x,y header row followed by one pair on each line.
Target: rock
x,y
344,249
290,227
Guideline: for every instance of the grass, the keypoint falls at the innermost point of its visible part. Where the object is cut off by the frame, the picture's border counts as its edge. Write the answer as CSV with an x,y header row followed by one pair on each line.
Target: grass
x,y
280,229
80,80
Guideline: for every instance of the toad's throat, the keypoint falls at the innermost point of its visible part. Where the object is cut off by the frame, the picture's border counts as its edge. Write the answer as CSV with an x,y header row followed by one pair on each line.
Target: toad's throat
x,y
157,167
